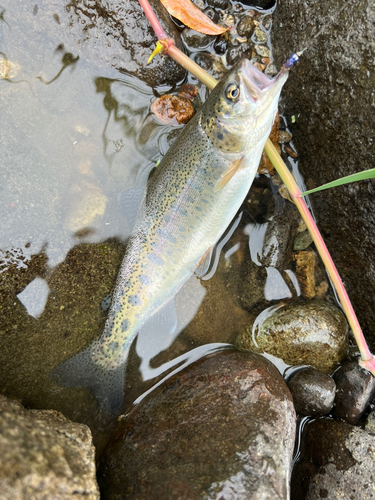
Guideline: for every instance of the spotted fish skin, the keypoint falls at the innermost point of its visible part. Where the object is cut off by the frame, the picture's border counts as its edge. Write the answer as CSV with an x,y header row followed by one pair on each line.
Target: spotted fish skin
x,y
185,209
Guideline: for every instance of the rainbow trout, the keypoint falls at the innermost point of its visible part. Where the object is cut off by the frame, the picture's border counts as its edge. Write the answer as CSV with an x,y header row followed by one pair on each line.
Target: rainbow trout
x,y
188,203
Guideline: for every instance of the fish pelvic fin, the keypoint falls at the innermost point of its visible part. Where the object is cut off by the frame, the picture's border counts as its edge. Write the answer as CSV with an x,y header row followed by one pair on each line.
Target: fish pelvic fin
x,y
204,262
106,385
235,166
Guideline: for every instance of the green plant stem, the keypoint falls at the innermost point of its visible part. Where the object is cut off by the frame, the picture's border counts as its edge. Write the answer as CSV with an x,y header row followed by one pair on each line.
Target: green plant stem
x,y
367,360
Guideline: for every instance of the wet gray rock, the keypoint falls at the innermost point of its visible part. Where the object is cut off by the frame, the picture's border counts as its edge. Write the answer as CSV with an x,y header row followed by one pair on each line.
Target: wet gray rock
x,y
117,33
331,94
337,463
305,332
355,390
44,455
224,426
313,392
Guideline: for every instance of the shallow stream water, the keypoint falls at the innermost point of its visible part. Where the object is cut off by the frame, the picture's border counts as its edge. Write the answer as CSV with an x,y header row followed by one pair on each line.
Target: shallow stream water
x,y
75,136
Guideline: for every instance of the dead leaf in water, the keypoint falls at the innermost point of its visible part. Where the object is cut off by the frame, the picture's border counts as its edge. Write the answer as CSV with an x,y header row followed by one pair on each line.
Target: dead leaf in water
x,y
192,17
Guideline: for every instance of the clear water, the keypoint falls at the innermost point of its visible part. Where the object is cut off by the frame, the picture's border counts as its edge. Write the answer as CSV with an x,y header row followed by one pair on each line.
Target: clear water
x,y
75,135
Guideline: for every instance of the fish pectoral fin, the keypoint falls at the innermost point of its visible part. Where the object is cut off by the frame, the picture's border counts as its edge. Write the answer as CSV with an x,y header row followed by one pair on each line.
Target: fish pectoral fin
x,y
204,262
235,166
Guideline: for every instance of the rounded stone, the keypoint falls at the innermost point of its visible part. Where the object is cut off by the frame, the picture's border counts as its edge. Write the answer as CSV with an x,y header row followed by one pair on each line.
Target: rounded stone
x,y
302,241
312,332
246,26
355,390
313,392
195,40
220,45
226,423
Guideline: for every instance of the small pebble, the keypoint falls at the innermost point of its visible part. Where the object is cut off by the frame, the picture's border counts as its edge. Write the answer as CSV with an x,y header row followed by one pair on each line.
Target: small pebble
x,y
259,36
212,14
290,151
195,40
271,70
284,137
262,51
313,392
199,4
245,49
220,45
246,26
267,22
302,241
355,390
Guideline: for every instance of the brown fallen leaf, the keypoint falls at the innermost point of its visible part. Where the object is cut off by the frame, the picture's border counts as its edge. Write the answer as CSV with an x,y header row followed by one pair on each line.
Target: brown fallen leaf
x,y
192,17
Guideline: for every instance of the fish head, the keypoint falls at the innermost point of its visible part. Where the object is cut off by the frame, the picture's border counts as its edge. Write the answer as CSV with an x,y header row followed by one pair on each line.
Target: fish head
x,y
240,110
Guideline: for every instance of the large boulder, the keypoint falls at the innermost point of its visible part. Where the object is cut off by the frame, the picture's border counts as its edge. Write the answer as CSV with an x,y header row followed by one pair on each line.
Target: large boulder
x,y
222,428
331,95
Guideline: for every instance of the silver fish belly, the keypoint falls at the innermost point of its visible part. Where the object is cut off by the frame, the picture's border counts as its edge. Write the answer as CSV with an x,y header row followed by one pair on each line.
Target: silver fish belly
x,y
188,203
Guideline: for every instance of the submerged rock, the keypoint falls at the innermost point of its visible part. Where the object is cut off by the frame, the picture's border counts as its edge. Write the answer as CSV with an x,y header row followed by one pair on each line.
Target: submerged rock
x,y
222,428
305,332
337,463
313,392
117,33
355,390
44,455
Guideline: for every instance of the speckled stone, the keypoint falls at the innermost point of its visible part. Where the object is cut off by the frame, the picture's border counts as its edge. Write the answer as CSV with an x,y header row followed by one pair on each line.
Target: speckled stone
x,y
44,456
337,463
311,332
224,426
302,241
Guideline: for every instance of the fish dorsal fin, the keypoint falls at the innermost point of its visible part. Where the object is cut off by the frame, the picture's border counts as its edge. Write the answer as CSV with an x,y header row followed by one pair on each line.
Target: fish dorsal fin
x,y
235,166
204,262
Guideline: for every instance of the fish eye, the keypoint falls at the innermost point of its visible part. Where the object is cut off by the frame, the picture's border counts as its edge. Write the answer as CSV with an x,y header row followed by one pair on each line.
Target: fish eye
x,y
232,91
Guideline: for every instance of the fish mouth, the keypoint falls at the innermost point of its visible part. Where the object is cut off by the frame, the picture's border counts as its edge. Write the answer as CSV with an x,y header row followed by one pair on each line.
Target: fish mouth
x,y
257,83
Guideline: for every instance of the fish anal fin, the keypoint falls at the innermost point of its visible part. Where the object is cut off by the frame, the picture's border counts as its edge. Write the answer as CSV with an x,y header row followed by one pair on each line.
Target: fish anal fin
x,y
204,262
107,385
235,166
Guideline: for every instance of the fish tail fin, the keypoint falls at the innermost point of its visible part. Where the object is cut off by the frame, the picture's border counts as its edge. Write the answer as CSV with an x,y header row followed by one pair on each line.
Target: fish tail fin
x,y
106,385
